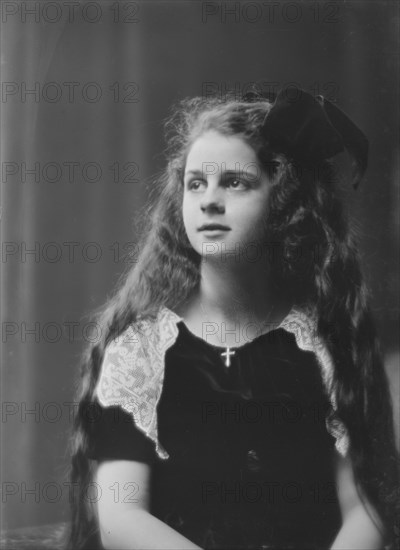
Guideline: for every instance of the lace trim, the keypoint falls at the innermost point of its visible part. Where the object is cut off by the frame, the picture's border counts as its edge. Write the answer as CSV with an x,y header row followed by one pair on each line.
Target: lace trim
x,y
303,325
132,372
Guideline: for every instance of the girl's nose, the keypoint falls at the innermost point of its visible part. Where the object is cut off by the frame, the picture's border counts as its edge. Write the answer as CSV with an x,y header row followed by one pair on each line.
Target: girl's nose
x,y
212,199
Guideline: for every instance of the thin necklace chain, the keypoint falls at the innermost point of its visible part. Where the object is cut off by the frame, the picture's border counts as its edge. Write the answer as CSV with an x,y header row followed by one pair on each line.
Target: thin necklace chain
x,y
229,351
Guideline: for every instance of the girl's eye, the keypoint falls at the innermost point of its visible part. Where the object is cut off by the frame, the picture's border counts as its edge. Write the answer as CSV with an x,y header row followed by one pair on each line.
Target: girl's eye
x,y
229,182
194,184
235,183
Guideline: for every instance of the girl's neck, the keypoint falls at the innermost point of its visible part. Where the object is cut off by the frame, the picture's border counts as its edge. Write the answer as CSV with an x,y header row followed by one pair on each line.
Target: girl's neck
x,y
233,305
233,293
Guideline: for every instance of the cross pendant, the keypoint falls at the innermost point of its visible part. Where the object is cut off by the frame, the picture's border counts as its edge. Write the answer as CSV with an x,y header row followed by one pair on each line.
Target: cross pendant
x,y
227,354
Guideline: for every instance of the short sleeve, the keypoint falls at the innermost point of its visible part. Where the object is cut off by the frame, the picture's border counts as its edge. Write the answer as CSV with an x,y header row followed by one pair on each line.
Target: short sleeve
x,y
304,327
114,436
132,372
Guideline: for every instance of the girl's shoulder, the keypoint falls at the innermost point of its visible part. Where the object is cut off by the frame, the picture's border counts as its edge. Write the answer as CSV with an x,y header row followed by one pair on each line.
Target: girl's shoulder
x,y
151,335
303,324
132,370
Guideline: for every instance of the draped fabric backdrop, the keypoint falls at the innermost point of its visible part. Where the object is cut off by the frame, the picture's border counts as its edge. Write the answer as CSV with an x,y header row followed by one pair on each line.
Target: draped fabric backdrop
x,y
103,83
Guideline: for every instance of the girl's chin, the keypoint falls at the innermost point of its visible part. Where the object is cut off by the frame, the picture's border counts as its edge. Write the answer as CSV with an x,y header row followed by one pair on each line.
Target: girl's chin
x,y
224,250
221,251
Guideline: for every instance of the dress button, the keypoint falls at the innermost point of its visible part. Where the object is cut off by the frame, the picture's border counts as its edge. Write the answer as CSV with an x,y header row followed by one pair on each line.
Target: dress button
x,y
253,461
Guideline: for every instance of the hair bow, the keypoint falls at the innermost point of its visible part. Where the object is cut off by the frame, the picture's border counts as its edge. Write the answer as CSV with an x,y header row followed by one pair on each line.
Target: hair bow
x,y
310,129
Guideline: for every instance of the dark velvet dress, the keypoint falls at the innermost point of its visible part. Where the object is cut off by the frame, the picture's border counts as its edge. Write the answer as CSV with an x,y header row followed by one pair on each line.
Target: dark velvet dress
x,y
251,463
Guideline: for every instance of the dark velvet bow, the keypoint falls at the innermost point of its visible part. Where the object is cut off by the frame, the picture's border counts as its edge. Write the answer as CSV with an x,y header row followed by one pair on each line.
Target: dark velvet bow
x,y
310,130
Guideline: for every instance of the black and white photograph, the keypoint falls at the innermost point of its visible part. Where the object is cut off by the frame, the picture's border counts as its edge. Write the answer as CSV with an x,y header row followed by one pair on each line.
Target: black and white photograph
x,y
200,275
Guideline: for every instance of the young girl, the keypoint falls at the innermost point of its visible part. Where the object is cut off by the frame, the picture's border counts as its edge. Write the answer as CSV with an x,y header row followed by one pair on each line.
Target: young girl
x,y
237,398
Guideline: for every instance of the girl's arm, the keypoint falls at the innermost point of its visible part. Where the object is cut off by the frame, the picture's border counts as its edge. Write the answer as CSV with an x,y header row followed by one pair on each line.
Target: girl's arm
x,y
358,531
123,510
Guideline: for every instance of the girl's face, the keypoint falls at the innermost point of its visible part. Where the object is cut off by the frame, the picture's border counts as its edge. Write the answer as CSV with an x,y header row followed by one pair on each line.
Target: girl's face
x,y
224,185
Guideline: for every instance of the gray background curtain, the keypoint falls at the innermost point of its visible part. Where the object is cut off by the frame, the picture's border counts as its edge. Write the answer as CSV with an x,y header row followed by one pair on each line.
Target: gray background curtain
x,y
346,50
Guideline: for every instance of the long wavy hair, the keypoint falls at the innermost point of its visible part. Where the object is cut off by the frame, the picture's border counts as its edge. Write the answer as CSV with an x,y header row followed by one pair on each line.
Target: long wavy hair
x,y
305,212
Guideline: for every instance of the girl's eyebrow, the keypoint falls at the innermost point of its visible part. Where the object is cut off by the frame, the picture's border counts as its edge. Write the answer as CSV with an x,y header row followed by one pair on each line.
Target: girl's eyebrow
x,y
194,172
248,173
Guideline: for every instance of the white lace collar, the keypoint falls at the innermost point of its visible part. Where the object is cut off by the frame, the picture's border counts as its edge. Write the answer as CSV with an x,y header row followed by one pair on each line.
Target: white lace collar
x,y
132,372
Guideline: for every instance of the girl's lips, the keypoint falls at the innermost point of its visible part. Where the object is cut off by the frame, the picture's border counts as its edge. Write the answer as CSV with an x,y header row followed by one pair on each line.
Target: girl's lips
x,y
214,233
214,228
